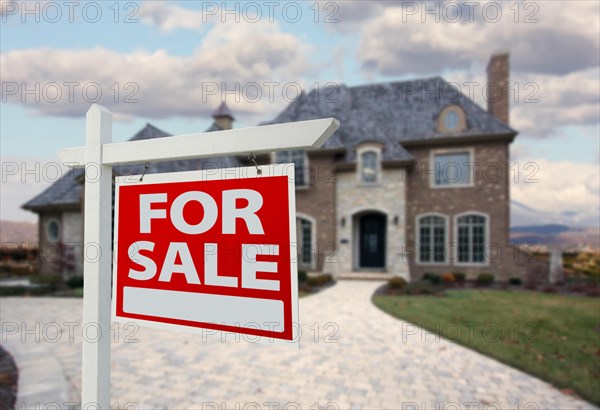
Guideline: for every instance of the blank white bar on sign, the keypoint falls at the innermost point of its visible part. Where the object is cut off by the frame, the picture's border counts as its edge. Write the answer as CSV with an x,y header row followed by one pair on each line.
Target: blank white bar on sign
x,y
201,307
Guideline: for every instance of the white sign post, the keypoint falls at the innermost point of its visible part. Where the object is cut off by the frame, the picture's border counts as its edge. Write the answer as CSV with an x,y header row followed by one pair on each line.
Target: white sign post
x,y
98,157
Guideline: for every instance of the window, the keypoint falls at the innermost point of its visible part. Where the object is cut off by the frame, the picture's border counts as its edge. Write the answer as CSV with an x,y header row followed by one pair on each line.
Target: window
x,y
52,230
298,158
368,172
432,239
305,240
452,119
471,237
452,169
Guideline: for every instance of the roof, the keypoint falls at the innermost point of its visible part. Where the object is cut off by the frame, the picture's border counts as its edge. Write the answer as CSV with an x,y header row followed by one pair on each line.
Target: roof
x,y
390,113
222,111
67,191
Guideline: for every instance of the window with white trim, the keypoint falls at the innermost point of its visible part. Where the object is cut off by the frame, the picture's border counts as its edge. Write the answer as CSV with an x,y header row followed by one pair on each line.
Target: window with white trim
x,y
432,239
471,238
368,167
452,168
299,159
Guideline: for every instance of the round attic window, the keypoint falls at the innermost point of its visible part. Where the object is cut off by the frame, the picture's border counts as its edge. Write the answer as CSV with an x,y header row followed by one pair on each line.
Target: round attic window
x,y
52,230
452,119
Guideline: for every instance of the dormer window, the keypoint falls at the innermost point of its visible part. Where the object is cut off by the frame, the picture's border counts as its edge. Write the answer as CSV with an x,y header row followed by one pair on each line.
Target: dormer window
x,y
369,163
452,119
300,161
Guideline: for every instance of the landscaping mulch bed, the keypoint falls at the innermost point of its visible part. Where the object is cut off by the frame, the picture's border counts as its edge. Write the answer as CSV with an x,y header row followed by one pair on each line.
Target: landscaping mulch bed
x,y
8,380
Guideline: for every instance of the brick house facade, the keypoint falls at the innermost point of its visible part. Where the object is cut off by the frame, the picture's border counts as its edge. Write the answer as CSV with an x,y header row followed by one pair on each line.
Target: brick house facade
x,y
415,180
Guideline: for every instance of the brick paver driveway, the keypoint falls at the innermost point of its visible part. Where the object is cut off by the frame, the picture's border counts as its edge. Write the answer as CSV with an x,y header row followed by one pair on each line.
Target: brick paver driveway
x,y
352,356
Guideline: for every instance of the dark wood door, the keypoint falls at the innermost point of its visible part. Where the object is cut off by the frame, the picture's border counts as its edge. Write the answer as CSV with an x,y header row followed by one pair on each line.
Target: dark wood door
x,y
372,241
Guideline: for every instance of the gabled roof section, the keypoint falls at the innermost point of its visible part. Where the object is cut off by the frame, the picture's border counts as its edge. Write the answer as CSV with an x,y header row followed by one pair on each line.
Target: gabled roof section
x,y
390,113
64,193
67,191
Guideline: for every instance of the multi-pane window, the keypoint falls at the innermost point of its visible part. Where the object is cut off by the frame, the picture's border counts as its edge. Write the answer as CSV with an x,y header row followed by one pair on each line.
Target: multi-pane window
x,y
452,169
471,238
298,158
432,238
304,227
368,172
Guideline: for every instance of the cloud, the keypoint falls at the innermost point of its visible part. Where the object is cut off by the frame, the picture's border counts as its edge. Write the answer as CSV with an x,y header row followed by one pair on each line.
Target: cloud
x,y
234,61
562,192
168,17
540,104
543,37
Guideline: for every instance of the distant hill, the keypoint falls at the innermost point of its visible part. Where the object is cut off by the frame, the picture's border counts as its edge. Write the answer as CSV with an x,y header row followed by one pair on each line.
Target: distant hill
x,y
556,235
548,229
11,231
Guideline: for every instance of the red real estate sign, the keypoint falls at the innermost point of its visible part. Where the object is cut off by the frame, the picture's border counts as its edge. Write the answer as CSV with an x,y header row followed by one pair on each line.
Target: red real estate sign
x,y
208,250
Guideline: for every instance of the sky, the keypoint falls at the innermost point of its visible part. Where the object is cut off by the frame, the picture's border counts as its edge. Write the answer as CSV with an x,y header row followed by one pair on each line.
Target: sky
x,y
171,64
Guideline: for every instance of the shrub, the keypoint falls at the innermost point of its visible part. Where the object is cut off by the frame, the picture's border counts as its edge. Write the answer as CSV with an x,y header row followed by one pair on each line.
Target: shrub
x,y
396,283
549,289
50,281
75,282
433,278
319,280
515,281
459,277
485,279
448,278
422,288
302,276
530,286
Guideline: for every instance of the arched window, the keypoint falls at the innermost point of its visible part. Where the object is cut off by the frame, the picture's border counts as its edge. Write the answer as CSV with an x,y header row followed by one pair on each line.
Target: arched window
x,y
53,230
471,238
305,238
432,239
300,160
368,167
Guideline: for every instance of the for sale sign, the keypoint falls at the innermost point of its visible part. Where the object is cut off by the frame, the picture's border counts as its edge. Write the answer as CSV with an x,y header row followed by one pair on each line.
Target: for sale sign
x,y
208,249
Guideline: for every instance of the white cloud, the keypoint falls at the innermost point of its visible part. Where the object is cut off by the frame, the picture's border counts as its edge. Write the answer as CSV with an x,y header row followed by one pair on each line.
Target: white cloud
x,y
168,17
540,103
241,58
401,40
564,192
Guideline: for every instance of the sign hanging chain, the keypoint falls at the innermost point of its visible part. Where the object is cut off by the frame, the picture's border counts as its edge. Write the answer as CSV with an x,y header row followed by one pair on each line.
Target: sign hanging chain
x,y
145,170
252,158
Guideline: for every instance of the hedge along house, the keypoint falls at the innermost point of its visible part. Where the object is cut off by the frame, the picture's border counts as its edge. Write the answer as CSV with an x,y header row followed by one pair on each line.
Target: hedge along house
x,y
415,180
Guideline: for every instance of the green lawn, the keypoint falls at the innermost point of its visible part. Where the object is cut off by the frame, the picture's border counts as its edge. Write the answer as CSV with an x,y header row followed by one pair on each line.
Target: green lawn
x,y
554,337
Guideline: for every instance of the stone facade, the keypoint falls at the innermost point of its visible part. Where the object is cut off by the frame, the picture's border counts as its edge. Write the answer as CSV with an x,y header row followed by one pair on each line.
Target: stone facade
x,y
489,195
63,254
354,199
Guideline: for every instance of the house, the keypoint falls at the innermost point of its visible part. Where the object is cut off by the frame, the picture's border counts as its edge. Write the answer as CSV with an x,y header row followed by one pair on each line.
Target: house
x,y
415,180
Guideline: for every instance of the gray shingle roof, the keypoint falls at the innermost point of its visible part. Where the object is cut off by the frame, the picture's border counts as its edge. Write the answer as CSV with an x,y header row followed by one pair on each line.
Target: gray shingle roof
x,y
390,113
222,111
67,191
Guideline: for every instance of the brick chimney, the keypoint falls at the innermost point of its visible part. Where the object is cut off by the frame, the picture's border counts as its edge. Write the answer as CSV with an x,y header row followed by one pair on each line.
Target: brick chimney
x,y
497,88
223,117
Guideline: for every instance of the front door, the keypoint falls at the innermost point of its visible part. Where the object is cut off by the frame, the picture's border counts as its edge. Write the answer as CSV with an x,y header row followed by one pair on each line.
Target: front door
x,y
372,241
